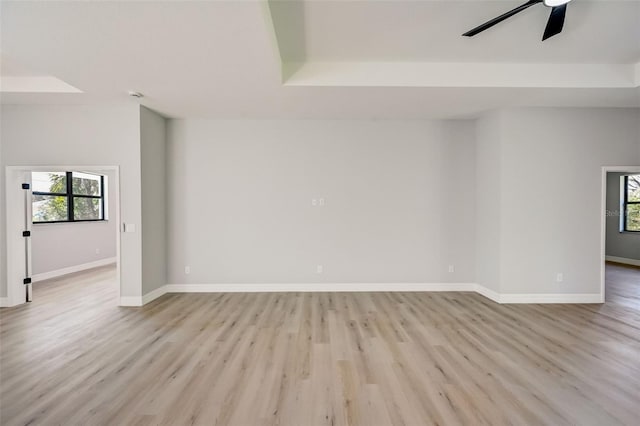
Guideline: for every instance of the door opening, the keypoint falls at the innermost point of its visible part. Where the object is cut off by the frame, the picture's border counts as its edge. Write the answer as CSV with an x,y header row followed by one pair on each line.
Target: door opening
x,y
50,216
620,236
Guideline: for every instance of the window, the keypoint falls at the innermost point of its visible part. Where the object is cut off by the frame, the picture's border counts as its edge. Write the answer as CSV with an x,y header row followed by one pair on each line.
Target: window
x,y
67,197
631,204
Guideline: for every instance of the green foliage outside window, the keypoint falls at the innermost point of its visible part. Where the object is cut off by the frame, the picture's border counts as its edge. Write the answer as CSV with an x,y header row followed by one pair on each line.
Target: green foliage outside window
x,y
53,203
632,203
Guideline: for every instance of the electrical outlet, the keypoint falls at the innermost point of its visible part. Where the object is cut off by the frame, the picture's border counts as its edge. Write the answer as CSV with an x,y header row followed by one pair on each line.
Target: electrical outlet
x,y
319,269
314,202
452,268
321,202
187,270
559,277
97,251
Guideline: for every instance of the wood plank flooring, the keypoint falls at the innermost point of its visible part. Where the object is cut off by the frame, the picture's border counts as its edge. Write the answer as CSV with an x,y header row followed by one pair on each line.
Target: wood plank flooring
x,y
74,358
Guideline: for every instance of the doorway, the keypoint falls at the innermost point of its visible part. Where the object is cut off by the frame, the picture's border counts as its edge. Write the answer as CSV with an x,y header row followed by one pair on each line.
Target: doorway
x,y
620,242
20,227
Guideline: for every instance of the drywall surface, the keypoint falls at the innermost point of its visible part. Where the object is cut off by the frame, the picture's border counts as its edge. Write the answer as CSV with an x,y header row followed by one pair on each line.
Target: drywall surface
x,y
395,201
488,191
56,246
75,136
619,244
551,186
3,239
154,205
398,201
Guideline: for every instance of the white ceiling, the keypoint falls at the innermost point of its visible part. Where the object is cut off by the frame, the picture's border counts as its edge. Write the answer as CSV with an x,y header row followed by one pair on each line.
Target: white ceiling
x,y
248,58
595,32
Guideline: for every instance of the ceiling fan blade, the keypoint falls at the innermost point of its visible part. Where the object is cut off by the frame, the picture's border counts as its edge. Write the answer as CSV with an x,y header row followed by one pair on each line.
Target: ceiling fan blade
x,y
555,22
500,18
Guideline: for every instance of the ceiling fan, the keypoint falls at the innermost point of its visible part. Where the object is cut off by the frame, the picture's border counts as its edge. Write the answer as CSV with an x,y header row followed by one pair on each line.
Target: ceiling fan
x,y
554,24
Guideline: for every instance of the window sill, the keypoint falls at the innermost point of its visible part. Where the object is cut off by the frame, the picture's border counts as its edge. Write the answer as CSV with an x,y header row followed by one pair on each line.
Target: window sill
x,y
63,222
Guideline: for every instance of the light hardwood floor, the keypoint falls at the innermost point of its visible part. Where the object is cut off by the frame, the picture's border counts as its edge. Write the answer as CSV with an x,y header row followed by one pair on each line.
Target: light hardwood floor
x,y
73,357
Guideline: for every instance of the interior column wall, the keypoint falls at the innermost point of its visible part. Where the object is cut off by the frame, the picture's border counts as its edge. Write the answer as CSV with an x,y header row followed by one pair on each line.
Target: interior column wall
x,y
80,135
154,204
550,210
488,192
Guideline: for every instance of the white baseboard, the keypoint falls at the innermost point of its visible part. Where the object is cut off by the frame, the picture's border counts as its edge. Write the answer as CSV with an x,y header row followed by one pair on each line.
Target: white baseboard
x,y
551,298
71,269
533,298
487,292
623,260
361,287
4,302
316,287
130,301
143,300
153,295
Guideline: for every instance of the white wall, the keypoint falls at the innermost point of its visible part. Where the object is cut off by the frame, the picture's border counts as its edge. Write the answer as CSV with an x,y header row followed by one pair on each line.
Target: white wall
x,y
399,201
80,135
401,196
619,244
550,164
488,192
154,204
56,246
3,238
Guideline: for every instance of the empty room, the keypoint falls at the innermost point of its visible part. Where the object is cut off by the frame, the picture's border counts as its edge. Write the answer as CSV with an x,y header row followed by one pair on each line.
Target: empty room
x,y
320,212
